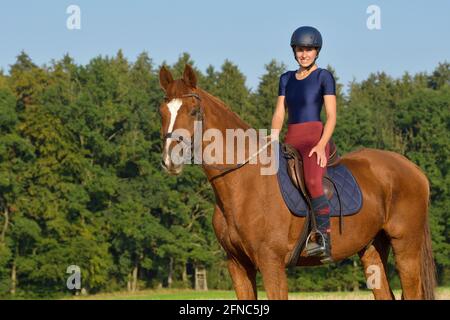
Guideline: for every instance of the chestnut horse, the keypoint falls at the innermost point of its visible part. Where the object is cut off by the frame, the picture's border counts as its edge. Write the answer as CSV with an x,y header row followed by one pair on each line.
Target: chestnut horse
x,y
259,233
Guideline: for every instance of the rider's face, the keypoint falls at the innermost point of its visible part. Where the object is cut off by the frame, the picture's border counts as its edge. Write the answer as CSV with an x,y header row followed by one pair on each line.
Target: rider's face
x,y
305,55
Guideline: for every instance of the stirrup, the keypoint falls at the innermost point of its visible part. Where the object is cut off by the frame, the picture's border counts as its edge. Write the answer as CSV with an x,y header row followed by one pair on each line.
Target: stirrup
x,y
322,250
314,248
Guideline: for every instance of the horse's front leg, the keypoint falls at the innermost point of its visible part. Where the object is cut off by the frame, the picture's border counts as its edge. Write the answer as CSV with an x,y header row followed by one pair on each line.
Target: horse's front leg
x,y
242,274
273,271
244,279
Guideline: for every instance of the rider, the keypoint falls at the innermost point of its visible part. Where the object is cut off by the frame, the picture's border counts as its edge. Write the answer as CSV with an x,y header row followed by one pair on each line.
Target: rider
x,y
304,91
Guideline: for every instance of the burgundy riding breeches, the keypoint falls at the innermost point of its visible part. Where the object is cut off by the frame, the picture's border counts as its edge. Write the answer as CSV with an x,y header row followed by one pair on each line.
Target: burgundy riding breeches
x,y
304,136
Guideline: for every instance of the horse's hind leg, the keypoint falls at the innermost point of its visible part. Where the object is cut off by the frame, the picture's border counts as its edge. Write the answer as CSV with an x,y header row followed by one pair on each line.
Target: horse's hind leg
x,y
407,261
244,279
374,260
407,232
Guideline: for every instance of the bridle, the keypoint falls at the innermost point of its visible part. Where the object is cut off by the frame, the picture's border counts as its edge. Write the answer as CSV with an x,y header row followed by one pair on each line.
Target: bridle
x,y
198,113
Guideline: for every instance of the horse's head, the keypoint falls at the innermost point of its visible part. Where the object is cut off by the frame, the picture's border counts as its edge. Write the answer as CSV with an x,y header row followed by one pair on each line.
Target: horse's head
x,y
179,111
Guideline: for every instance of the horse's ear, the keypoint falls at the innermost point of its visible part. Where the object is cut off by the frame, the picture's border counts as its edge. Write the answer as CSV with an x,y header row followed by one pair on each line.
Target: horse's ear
x,y
165,77
189,76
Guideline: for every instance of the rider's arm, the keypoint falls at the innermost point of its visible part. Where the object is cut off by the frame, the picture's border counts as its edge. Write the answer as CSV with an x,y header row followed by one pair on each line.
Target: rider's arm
x,y
278,117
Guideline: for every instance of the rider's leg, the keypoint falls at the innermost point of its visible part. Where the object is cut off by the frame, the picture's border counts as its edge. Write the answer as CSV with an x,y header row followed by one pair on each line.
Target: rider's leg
x,y
304,137
320,206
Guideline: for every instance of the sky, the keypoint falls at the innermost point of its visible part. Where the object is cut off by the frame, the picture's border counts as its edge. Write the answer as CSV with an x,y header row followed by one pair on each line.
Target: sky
x,y
413,35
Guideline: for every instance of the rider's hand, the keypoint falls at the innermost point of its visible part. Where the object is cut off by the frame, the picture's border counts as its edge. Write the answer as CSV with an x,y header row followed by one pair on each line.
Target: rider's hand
x,y
319,149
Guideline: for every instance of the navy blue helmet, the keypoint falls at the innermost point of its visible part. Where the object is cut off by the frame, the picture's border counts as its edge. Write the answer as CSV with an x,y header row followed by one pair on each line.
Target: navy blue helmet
x,y
307,37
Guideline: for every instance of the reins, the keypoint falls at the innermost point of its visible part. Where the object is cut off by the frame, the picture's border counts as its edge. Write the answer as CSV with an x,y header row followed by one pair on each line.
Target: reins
x,y
199,116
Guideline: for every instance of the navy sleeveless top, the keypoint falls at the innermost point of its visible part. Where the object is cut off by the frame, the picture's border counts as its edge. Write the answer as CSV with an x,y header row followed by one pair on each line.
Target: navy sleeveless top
x,y
304,98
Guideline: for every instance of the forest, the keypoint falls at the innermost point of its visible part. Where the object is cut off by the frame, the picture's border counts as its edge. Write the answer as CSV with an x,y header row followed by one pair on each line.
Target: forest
x,y
81,182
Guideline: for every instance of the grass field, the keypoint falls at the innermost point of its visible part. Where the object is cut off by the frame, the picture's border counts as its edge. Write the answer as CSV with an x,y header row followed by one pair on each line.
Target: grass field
x,y
168,294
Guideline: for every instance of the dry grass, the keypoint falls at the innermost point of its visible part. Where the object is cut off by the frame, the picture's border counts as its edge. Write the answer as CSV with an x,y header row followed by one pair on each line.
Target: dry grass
x,y
175,294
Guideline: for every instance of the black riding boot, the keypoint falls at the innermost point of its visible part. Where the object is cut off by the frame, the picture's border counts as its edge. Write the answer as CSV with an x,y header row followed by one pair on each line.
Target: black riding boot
x,y
321,247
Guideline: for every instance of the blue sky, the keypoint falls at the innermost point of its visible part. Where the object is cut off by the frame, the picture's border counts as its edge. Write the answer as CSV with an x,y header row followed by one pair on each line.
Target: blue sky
x,y
414,35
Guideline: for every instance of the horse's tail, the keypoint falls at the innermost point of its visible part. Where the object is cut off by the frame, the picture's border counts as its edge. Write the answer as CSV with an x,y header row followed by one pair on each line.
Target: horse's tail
x,y
428,268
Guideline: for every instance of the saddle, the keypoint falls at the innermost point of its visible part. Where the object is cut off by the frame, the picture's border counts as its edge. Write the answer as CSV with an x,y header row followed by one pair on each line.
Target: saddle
x,y
295,169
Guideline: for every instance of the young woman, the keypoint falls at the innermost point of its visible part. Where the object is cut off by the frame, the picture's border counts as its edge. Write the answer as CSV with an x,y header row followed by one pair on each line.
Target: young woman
x,y
303,92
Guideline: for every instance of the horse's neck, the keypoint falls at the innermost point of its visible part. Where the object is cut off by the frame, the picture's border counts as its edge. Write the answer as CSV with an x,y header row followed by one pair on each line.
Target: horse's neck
x,y
228,187
219,116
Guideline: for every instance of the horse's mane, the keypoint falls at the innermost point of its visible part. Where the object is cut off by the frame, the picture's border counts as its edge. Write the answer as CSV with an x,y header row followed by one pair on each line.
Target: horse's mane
x,y
220,104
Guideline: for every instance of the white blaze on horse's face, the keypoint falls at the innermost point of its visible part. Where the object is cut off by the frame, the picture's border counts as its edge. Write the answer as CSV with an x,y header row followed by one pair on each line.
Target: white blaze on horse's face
x,y
174,105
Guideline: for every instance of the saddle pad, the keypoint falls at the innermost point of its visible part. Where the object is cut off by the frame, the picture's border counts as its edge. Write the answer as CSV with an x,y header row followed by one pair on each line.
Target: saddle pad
x,y
349,200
